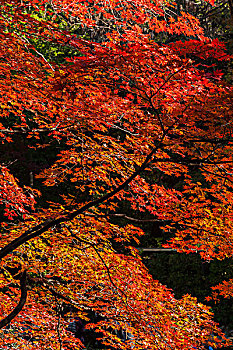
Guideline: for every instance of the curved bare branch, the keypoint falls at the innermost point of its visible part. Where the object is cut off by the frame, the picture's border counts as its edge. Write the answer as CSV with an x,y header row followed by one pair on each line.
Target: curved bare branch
x,y
21,303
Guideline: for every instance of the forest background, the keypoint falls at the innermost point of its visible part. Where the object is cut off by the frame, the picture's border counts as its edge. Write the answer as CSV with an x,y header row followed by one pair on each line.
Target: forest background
x,y
116,130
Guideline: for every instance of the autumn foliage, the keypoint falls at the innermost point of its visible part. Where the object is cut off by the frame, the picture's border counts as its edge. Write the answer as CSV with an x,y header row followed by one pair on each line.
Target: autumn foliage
x,y
129,90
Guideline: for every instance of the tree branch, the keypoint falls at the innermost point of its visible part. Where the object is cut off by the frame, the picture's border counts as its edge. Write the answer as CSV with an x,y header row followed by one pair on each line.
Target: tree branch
x,y
124,216
66,217
21,303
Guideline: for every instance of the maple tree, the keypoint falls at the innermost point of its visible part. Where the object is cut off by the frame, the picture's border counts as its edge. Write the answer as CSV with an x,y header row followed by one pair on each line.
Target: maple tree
x,y
106,82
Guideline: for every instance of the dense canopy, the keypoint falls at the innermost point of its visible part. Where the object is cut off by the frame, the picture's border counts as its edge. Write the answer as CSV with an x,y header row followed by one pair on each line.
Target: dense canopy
x,y
126,103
